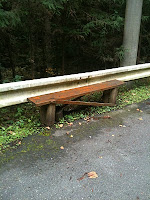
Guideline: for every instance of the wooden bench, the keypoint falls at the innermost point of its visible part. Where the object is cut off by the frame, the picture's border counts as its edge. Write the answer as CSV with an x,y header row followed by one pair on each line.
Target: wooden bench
x,y
48,102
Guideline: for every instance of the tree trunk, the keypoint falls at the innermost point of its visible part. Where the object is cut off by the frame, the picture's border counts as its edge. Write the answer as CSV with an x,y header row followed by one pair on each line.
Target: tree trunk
x,y
43,64
131,31
47,40
31,60
1,81
63,55
11,56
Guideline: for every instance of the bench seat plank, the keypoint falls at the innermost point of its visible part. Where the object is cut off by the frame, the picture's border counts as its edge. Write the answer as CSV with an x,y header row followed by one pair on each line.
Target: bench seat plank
x,y
73,93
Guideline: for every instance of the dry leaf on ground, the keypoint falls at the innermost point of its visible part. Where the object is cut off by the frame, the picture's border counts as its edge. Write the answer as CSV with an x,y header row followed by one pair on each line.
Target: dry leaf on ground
x,y
61,147
70,124
92,174
60,125
48,128
89,174
140,118
122,125
106,117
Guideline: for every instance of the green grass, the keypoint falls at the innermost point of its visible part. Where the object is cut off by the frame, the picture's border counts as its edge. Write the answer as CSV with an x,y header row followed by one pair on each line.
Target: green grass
x,y
19,121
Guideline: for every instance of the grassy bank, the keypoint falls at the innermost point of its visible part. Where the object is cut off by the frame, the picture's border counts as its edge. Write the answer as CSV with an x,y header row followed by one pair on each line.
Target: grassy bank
x,y
19,121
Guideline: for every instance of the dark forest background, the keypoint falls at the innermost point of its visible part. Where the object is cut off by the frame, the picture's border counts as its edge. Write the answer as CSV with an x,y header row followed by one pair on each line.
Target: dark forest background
x,y
44,38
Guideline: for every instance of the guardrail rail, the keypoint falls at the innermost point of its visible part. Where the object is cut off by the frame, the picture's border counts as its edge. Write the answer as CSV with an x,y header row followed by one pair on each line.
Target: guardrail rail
x,y
18,92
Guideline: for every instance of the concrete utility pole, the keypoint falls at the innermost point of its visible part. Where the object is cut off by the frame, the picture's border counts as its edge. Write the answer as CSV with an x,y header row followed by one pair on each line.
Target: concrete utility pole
x,y
131,31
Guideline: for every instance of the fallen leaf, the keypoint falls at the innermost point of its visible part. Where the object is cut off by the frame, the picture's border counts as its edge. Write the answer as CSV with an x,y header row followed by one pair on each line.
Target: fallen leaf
x,y
70,124
48,128
100,157
61,147
138,109
140,118
71,136
92,174
11,132
19,142
141,111
60,125
113,135
67,133
106,117
122,125
87,119
80,123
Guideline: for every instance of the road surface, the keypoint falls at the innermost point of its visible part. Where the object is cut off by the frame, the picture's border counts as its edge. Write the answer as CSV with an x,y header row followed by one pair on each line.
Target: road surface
x,y
117,149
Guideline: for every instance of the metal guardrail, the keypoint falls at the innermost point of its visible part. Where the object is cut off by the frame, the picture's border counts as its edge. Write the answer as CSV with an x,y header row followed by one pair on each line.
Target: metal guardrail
x,y
18,92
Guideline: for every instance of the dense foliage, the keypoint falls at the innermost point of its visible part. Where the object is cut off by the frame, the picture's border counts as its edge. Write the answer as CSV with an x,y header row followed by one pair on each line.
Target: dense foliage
x,y
40,38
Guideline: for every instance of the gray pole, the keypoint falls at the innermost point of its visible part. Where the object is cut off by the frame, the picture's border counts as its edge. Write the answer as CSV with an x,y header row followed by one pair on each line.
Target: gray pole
x,y
131,31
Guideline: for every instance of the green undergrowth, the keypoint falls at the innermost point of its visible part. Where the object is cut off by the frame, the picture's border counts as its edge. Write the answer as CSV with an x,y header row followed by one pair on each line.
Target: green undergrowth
x,y
19,121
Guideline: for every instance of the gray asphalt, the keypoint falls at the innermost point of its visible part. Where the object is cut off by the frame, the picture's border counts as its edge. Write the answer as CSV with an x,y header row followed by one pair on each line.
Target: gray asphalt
x,y
117,149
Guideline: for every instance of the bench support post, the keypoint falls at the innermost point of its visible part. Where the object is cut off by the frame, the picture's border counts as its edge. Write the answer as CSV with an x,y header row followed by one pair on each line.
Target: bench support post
x,y
109,96
47,114
113,95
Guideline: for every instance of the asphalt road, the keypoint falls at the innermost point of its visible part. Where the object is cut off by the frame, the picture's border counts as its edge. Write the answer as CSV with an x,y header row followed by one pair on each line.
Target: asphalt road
x,y
117,149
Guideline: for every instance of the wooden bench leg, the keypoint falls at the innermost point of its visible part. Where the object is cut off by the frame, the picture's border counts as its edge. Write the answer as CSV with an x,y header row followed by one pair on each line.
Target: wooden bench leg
x,y
47,114
113,95
109,96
